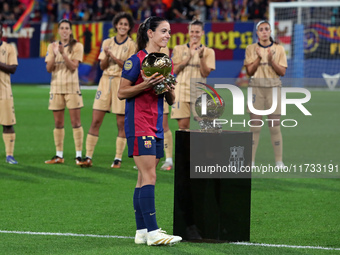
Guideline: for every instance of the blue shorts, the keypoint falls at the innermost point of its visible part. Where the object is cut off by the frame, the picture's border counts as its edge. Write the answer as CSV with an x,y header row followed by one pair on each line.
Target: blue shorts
x,y
145,145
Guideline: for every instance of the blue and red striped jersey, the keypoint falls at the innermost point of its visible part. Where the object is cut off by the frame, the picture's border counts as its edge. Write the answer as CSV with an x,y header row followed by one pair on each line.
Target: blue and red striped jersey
x,y
144,112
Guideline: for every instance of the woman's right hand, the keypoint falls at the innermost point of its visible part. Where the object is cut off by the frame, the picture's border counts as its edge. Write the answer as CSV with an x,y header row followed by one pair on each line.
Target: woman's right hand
x,y
258,52
55,48
107,52
152,80
193,48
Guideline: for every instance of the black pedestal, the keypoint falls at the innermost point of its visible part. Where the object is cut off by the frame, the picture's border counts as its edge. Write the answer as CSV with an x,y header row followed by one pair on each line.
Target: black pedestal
x,y
210,207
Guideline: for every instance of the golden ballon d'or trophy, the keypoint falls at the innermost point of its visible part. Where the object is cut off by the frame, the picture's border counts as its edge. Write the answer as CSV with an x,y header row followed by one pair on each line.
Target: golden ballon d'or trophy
x,y
159,63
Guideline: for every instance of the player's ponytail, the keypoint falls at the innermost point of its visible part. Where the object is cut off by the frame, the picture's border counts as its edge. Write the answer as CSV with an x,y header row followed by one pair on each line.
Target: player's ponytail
x,y
71,43
142,35
272,40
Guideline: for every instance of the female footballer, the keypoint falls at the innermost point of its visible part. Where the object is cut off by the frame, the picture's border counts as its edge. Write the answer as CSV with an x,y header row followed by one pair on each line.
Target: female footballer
x,y
168,140
191,60
144,127
62,60
114,52
8,66
265,62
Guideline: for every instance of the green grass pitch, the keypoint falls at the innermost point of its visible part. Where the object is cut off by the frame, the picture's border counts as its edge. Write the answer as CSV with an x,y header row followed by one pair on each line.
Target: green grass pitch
x,y
67,199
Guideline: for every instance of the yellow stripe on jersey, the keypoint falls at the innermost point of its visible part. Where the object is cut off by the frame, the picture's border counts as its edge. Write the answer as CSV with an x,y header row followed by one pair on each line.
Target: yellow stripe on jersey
x,y
149,136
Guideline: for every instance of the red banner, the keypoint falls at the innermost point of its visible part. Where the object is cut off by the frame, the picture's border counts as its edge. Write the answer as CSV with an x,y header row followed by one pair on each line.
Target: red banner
x,y
229,40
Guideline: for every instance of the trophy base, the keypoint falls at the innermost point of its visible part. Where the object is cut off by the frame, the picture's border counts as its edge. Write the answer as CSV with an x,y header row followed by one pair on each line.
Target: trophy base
x,y
209,127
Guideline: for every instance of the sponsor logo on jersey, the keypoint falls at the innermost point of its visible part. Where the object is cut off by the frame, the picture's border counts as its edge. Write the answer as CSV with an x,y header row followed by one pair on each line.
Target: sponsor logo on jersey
x,y
128,65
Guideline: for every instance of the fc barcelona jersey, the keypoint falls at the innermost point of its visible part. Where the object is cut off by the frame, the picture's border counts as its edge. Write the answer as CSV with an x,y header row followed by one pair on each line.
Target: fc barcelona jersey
x,y
144,112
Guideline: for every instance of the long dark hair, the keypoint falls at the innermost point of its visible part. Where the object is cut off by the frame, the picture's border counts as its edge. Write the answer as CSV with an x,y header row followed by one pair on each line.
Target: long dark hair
x,y
72,41
265,22
142,36
120,16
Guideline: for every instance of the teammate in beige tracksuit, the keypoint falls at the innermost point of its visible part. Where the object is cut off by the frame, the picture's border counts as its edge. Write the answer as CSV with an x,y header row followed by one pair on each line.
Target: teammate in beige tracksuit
x,y
114,52
62,60
192,60
265,62
8,66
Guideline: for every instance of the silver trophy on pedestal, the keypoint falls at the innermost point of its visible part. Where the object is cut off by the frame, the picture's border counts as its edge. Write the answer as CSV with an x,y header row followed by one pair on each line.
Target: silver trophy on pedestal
x,y
213,108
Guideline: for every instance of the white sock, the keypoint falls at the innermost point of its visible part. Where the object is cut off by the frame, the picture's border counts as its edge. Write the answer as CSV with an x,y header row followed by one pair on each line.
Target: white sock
x,y
280,164
60,154
118,159
169,160
153,232
88,157
142,231
78,154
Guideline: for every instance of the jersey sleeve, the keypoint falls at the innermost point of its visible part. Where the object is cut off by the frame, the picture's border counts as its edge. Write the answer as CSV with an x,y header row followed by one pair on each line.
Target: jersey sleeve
x,y
132,48
102,54
78,52
49,53
249,58
282,58
210,59
12,56
176,55
131,69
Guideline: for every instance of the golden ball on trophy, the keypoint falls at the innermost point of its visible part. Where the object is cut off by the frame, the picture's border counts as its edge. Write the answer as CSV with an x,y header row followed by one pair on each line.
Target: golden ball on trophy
x,y
157,62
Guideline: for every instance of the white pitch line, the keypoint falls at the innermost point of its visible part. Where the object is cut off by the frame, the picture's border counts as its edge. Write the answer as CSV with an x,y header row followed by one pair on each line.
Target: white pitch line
x,y
286,246
61,234
129,237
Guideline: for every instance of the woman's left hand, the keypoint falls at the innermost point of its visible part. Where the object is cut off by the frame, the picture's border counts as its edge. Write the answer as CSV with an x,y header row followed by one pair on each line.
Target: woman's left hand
x,y
201,51
153,80
170,88
270,56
